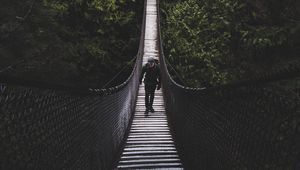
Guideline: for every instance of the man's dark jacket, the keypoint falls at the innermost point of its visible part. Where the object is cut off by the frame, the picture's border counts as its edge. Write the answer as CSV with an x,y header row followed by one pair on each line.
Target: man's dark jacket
x,y
152,77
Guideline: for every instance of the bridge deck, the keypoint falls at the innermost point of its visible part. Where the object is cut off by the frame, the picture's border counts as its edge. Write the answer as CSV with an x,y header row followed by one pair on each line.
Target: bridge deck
x,y
150,144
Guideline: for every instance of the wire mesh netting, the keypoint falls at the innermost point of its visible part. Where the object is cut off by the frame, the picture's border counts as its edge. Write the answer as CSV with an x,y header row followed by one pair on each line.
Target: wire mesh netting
x,y
252,124
49,126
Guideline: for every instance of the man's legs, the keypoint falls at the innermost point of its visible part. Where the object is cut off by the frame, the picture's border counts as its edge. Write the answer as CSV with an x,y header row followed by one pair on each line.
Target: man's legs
x,y
147,97
151,98
149,90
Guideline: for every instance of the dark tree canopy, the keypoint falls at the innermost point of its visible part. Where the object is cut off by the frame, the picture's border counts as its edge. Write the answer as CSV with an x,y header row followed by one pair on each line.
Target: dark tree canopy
x,y
86,42
82,42
213,42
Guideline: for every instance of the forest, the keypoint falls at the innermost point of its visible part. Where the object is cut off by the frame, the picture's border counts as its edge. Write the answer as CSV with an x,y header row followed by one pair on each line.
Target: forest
x,y
87,42
79,42
213,42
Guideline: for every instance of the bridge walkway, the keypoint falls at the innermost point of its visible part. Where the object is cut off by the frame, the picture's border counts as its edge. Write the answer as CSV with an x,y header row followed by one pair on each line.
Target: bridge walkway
x,y
150,144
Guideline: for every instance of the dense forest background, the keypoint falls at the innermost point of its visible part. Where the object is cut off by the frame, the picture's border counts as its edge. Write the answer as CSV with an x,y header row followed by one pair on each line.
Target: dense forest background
x,y
79,42
86,42
212,42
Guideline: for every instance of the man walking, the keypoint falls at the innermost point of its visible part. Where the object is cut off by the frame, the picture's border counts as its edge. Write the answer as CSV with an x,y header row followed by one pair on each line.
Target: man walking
x,y
152,79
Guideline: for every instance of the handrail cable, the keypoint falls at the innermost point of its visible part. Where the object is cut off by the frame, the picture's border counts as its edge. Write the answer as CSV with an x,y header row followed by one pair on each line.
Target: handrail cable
x,y
116,75
68,127
12,65
249,124
178,75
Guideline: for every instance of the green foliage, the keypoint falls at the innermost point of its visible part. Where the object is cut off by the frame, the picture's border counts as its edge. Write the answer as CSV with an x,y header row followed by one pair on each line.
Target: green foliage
x,y
84,42
219,41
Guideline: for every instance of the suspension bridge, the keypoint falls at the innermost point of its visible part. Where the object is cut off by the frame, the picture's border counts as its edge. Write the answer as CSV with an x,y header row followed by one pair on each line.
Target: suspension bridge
x,y
251,124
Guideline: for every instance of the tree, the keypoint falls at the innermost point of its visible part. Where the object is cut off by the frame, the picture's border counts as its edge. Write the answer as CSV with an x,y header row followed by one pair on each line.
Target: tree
x,y
83,42
219,41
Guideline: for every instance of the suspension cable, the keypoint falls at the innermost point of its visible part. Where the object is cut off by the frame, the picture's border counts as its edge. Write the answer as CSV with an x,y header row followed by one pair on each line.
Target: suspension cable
x,y
177,74
116,75
11,66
